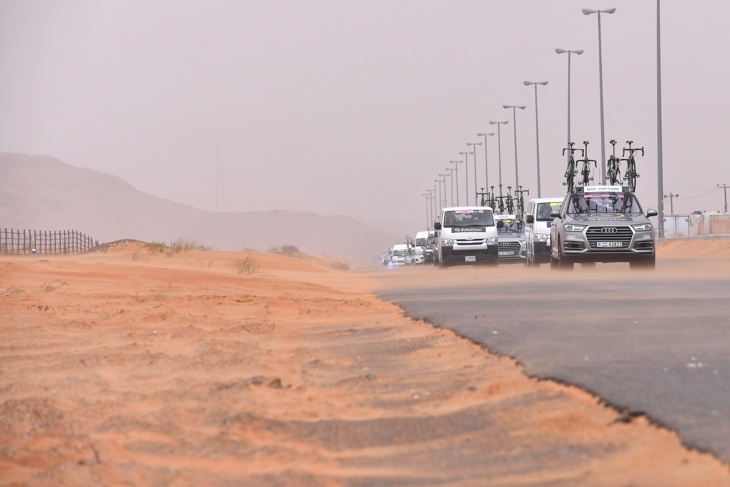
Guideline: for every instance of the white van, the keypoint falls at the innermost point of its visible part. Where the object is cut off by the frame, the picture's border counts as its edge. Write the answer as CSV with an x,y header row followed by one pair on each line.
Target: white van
x,y
537,228
403,254
467,236
422,251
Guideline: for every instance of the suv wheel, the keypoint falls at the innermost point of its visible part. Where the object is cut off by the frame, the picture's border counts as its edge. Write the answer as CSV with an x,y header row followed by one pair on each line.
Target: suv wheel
x,y
562,262
648,264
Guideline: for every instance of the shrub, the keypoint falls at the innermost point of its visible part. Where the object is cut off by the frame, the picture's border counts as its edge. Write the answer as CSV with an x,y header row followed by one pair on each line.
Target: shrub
x,y
284,249
244,265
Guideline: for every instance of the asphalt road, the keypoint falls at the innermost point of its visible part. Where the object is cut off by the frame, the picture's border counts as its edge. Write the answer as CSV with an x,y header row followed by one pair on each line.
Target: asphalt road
x,y
656,343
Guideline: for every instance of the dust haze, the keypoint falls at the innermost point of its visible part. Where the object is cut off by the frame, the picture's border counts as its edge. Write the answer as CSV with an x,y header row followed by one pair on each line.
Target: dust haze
x,y
354,108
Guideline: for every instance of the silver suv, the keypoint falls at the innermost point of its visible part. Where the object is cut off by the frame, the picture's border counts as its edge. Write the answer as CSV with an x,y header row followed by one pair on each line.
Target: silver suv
x,y
602,224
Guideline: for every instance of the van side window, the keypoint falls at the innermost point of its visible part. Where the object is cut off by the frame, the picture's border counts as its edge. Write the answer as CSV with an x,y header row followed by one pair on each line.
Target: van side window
x,y
530,207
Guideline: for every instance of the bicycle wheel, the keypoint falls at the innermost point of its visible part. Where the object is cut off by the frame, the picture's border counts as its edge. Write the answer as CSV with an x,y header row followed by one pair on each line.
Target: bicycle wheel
x,y
569,177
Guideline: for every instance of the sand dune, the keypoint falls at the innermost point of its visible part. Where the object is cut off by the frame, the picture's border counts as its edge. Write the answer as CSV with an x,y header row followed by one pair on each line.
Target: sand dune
x,y
129,367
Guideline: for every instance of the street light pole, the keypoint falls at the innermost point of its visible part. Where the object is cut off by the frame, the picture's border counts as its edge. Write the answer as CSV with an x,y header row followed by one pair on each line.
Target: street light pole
x,y
451,183
660,152
443,194
486,165
578,52
724,187
537,132
671,202
428,207
587,11
474,146
514,126
466,168
456,168
499,147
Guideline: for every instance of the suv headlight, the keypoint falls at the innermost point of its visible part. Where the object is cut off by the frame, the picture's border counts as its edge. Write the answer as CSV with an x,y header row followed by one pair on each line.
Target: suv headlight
x,y
646,227
447,242
492,241
574,228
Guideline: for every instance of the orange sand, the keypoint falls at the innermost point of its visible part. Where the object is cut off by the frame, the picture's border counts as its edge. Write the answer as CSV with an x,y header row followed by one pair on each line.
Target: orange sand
x,y
131,368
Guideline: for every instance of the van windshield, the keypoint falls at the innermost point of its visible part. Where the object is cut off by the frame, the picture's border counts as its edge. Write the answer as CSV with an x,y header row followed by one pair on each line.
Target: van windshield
x,y
512,226
608,203
544,210
468,218
420,242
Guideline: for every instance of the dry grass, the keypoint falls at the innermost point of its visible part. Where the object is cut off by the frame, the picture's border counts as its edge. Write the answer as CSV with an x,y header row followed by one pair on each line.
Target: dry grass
x,y
244,265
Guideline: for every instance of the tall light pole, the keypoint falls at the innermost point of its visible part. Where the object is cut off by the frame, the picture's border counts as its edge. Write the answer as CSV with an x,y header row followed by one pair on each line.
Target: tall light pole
x,y
431,197
724,187
428,211
451,183
486,165
435,217
587,11
438,201
671,201
443,194
660,162
466,168
514,126
456,168
474,146
537,132
578,52
499,147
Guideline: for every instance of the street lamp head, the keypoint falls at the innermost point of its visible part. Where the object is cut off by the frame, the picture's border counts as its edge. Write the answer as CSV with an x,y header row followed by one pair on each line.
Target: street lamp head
x,y
587,11
485,134
578,52
521,107
497,123
608,10
560,51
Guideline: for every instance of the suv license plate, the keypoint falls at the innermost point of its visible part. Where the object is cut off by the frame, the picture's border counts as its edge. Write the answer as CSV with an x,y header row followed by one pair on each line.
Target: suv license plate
x,y
507,252
610,244
470,258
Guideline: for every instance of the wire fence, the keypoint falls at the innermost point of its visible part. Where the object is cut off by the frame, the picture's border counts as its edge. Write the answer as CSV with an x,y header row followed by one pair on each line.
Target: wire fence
x,y
27,242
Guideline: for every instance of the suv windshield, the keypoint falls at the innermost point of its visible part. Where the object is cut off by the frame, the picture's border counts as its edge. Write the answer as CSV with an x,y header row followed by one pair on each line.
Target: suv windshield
x,y
512,226
468,218
544,210
604,204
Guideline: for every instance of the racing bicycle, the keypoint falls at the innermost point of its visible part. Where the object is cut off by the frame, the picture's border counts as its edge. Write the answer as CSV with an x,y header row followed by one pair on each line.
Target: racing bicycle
x,y
510,202
485,197
521,201
613,172
500,205
571,169
585,171
631,173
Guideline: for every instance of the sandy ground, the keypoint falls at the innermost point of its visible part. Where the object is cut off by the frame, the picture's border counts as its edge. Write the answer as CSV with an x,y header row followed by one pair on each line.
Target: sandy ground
x,y
129,368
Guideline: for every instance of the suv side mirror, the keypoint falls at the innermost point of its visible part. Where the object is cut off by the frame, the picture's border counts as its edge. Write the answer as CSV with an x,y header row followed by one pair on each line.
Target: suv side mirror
x,y
437,226
530,219
555,214
651,212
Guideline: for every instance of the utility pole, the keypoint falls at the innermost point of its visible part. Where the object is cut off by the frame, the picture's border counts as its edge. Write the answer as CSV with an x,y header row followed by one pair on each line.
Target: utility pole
x,y
217,175
428,211
671,202
724,186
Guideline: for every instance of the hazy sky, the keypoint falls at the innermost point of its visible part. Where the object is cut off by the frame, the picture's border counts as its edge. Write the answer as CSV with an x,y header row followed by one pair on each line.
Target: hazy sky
x,y
354,107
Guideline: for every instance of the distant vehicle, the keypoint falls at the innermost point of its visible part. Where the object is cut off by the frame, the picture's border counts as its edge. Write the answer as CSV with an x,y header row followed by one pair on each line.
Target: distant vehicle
x,y
602,224
511,239
421,246
468,235
403,254
537,229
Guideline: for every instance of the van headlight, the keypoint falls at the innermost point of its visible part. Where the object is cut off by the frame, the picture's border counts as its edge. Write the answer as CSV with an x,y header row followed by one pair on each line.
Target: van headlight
x,y
574,228
447,242
646,227
492,241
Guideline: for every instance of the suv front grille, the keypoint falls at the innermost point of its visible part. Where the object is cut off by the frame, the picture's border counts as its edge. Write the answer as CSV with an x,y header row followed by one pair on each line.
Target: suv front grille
x,y
509,246
597,234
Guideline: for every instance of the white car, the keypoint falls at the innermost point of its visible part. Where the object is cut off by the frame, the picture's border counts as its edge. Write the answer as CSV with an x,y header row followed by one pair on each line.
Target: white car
x,y
537,228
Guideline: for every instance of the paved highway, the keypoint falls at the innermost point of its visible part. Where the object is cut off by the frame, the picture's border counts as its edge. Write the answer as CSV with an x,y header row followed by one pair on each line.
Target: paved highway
x,y
656,343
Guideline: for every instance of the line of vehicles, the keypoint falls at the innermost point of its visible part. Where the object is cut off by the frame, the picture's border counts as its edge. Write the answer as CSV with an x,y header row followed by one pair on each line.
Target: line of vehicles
x,y
591,223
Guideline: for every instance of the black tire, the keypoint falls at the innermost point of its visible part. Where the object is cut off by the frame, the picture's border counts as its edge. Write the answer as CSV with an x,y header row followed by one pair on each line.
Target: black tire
x,y
563,264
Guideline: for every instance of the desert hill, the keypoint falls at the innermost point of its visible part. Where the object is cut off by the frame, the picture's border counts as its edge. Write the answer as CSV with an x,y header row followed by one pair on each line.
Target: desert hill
x,y
43,193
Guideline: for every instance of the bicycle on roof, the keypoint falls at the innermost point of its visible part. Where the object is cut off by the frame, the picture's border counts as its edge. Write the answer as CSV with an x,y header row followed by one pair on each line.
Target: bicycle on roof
x,y
631,174
585,170
613,171
571,170
521,201
510,202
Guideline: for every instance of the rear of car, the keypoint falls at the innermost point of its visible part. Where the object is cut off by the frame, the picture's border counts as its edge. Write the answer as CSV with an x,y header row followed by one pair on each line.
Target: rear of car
x,y
537,228
467,236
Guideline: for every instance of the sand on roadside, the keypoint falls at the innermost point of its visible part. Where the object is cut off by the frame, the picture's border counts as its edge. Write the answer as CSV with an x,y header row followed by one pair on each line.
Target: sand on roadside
x,y
131,367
